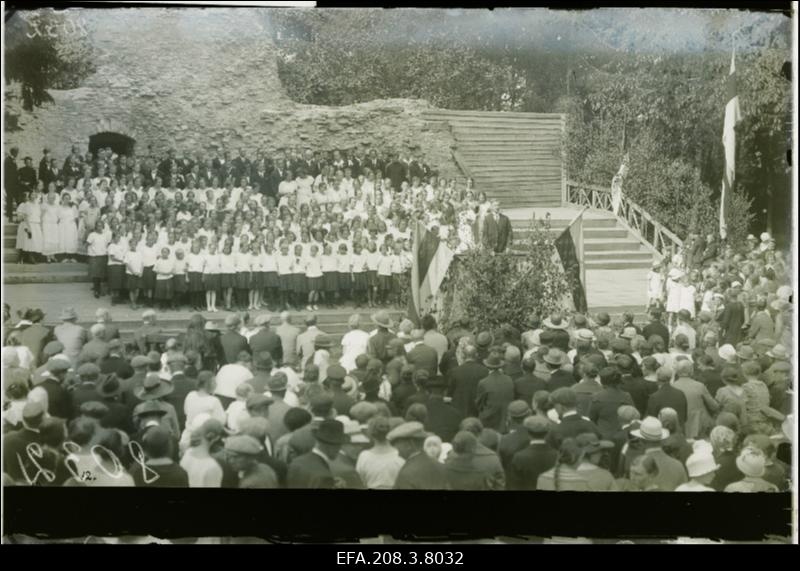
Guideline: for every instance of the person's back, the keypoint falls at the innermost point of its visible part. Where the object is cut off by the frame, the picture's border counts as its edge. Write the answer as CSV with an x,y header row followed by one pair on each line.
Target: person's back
x,y
562,479
421,472
671,473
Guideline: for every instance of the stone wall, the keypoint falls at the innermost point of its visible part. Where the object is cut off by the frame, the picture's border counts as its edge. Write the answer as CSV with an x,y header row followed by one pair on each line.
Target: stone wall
x,y
193,79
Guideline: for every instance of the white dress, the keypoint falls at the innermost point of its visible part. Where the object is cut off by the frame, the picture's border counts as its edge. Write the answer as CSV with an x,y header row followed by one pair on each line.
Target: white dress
x,y
687,298
674,290
35,242
68,230
50,235
23,211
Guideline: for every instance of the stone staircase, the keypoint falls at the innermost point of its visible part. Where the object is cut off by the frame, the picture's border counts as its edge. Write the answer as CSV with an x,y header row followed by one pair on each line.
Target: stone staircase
x,y
513,157
607,244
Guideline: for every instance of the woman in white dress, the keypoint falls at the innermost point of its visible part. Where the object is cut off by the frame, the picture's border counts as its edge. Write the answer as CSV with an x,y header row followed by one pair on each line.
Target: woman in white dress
x,y
35,241
674,289
50,235
68,229
23,229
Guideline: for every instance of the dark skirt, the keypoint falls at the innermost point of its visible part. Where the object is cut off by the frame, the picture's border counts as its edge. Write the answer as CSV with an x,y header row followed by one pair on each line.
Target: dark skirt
x,y
179,284
285,282
359,281
331,280
211,282
97,267
314,284
148,278
256,280
163,290
227,280
116,277
385,283
299,283
372,278
345,283
133,282
271,280
195,282
243,280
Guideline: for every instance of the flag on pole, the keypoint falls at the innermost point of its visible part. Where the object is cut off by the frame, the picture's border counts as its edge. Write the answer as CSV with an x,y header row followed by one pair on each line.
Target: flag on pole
x,y
569,249
732,117
431,259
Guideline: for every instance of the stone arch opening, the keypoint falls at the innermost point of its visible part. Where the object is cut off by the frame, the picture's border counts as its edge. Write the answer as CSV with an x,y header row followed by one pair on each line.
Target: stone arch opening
x,y
117,142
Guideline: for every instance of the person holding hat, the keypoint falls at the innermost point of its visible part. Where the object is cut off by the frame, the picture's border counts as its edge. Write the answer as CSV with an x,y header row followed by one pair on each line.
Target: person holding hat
x,y
517,436
266,339
671,472
312,470
381,336
494,393
752,463
536,458
155,389
160,470
241,452
71,335
420,471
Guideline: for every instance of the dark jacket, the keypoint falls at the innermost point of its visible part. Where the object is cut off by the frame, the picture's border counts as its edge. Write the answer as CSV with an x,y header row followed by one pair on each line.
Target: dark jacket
x,y
493,395
603,410
443,418
462,474
640,390
528,464
504,232
233,344
309,471
570,426
421,472
424,357
35,337
181,386
59,403
585,391
82,393
512,443
560,379
463,385
527,385
114,364
376,346
728,472
267,340
667,396
656,328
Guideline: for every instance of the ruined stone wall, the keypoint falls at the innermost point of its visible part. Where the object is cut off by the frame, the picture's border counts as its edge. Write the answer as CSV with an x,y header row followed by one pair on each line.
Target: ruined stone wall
x,y
193,79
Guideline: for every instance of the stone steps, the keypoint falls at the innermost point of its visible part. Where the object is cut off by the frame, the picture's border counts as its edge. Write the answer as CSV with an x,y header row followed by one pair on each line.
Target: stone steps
x,y
45,273
604,245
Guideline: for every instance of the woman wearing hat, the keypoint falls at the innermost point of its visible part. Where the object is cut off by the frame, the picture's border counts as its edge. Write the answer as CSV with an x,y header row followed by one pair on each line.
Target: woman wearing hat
x,y
752,463
152,392
592,451
564,476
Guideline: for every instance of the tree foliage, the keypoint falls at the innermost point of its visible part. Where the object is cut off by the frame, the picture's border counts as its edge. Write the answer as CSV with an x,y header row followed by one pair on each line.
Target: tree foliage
x,y
46,50
506,288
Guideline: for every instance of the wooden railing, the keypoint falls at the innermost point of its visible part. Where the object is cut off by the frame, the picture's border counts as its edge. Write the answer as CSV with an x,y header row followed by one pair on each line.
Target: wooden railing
x,y
659,239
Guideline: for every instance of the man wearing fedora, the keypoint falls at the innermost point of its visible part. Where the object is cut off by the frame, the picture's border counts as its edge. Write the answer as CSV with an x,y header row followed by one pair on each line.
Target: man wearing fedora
x,y
155,390
380,338
277,386
558,377
517,437
571,423
266,339
306,340
557,327
182,384
671,472
109,391
494,393
422,356
420,471
443,418
71,335
312,470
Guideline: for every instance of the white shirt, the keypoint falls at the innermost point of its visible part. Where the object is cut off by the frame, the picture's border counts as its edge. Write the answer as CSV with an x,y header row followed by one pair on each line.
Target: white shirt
x,y
229,377
202,469
195,404
354,343
692,486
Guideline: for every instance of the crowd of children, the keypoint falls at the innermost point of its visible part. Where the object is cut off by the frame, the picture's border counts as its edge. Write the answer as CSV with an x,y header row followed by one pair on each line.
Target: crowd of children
x,y
195,241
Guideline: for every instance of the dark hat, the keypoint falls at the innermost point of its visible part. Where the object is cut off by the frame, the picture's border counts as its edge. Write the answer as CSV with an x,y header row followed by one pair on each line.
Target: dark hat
x,y
484,339
536,425
437,382
277,382
58,365
140,361
336,373
89,370
382,319
590,443
153,388
746,353
255,401
149,407
518,409
243,444
555,322
620,346
684,315
413,430
109,387
323,341
53,348
494,361
330,432
94,409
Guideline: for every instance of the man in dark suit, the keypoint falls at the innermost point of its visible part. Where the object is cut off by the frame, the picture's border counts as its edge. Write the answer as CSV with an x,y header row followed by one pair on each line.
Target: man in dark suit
x,y
667,396
36,335
312,470
232,341
528,384
494,393
58,397
11,179
422,356
656,326
85,390
183,385
420,471
241,165
633,384
443,418
535,459
115,363
373,163
554,360
334,382
463,382
603,410
26,176
396,172
275,177
587,387
169,166
517,437
504,230
44,164
565,403
266,340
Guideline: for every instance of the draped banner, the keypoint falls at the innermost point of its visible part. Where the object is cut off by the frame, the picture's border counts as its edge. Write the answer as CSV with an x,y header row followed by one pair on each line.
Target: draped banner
x,y
431,259
732,117
569,246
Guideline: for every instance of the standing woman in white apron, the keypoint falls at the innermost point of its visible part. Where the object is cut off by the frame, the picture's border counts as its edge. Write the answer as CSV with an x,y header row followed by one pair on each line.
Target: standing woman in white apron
x,y
36,242
23,229
68,229
50,241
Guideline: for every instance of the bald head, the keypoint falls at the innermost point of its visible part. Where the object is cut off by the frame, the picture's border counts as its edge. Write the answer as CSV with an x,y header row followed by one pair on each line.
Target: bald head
x,y
684,368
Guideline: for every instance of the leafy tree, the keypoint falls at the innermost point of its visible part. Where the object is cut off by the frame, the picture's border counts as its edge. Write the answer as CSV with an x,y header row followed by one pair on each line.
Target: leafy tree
x,y
45,50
